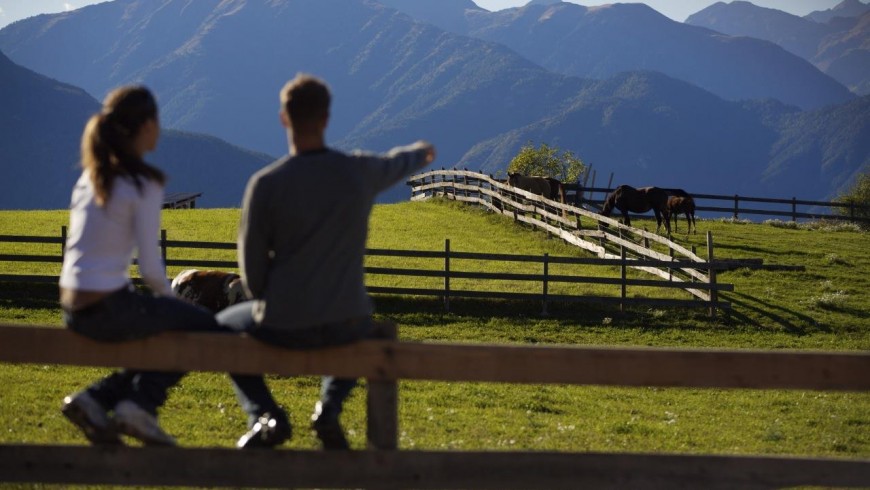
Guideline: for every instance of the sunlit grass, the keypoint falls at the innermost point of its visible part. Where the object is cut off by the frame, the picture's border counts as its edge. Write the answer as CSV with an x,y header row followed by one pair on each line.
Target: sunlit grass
x,y
825,306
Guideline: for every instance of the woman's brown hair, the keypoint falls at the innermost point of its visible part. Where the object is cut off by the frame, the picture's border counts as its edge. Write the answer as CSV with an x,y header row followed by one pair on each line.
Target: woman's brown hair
x,y
108,139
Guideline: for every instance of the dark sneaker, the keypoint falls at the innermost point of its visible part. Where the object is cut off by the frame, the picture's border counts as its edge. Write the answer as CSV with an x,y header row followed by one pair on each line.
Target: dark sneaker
x,y
134,421
88,415
328,430
266,433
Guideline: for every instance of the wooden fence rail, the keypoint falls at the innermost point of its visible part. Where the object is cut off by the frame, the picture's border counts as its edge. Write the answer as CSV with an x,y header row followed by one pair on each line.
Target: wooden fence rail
x,y
384,362
443,270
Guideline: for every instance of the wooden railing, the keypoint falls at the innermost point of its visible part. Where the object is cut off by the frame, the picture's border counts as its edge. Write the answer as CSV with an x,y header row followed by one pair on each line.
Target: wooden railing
x,y
737,205
450,266
606,237
384,464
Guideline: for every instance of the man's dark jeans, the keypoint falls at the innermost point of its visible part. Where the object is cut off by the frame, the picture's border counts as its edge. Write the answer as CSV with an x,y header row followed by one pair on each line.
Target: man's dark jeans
x,y
254,395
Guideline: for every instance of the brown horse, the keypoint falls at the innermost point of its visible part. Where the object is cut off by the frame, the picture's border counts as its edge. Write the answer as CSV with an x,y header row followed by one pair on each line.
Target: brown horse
x,y
215,290
681,202
628,199
543,186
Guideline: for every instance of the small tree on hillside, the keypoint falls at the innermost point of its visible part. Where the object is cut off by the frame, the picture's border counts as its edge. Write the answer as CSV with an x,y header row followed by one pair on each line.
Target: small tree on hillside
x,y
859,197
547,161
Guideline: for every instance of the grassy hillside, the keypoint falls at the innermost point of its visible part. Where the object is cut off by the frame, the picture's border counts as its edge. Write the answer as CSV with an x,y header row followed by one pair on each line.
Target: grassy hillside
x,y
823,307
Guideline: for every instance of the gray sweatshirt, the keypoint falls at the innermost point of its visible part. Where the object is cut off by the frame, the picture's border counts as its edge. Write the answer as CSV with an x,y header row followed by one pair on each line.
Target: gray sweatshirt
x,y
303,233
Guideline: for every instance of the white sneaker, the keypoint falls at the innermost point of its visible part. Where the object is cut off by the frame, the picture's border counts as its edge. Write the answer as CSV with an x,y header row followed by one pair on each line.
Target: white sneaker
x,y
88,415
135,422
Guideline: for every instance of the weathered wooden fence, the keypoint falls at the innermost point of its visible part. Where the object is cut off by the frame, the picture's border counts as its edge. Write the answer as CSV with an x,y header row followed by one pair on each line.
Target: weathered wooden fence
x,y
737,205
384,464
450,265
603,236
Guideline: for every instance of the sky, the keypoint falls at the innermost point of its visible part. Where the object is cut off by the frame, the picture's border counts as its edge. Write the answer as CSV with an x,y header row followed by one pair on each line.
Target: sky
x,y
12,10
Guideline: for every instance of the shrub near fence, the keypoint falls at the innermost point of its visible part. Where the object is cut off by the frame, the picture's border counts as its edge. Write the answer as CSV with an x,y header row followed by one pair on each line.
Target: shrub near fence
x,y
451,266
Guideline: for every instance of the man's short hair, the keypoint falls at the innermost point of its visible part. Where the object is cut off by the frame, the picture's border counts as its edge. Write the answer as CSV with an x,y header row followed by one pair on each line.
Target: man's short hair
x,y
305,99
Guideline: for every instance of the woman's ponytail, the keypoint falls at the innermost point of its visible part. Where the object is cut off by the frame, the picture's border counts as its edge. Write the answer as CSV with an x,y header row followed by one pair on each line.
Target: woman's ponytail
x,y
107,149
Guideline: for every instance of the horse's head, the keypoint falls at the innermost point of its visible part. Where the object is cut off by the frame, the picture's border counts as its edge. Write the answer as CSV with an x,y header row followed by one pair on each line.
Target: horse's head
x,y
513,179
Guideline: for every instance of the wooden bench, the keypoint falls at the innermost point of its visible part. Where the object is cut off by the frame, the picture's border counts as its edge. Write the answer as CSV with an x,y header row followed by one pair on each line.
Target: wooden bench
x,y
383,362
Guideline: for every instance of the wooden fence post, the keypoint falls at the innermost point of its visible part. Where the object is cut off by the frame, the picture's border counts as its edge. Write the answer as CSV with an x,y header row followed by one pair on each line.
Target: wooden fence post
x,y
62,242
619,234
581,193
163,244
447,274
382,404
711,275
622,284
600,238
592,184
736,208
793,209
546,283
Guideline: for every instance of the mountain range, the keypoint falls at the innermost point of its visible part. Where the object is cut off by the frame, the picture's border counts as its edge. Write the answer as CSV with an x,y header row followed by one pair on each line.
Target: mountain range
x,y
836,41
217,65
48,116
599,42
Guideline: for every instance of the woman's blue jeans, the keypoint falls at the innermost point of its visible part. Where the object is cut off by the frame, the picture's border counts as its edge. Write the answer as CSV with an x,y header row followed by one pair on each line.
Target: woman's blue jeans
x,y
128,314
254,395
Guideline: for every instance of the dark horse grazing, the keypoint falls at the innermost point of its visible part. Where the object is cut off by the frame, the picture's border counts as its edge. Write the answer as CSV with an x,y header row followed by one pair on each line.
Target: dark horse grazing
x,y
682,202
628,199
214,290
543,186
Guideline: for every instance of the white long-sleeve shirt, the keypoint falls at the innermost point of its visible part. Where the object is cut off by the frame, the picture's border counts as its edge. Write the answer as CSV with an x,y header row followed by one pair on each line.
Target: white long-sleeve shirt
x,y
101,240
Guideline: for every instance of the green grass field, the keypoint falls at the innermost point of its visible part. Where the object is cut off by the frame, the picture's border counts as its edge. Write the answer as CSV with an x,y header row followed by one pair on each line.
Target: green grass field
x,y
824,307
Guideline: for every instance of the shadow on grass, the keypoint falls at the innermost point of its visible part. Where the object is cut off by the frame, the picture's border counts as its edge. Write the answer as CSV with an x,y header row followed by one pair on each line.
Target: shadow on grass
x,y
766,252
423,311
28,296
426,311
777,314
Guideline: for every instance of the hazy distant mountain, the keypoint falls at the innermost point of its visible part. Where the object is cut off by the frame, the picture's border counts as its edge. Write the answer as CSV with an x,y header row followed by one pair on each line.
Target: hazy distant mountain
x,y
396,80
846,55
700,142
444,14
543,2
40,129
846,8
649,129
220,69
840,48
828,147
799,35
599,42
